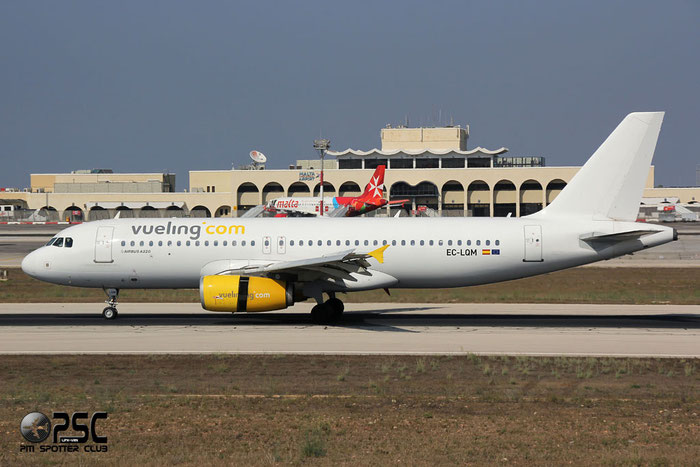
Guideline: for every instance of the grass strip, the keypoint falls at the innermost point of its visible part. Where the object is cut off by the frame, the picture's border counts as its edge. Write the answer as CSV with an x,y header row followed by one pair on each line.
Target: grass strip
x,y
265,409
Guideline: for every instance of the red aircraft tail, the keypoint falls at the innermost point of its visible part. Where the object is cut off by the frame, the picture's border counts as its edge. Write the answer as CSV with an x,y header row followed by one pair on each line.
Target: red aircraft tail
x,y
374,189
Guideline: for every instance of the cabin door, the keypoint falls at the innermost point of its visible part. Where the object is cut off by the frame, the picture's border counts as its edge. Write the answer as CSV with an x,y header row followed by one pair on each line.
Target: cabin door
x,y
103,245
533,243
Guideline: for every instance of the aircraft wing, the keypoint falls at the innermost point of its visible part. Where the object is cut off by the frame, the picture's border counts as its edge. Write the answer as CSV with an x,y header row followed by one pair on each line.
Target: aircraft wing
x,y
338,265
399,201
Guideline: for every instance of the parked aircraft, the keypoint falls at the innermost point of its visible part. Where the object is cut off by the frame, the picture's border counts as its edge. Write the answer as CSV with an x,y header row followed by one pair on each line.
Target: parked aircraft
x,y
258,265
339,206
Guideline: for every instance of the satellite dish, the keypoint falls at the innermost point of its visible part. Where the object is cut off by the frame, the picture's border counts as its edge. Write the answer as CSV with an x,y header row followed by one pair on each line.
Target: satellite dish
x,y
258,157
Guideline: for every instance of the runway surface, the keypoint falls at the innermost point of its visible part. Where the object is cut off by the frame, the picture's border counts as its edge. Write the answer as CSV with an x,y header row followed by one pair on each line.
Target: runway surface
x,y
514,329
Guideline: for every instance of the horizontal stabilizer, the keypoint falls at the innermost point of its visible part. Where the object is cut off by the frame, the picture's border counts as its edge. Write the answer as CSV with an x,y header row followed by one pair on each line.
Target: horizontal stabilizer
x,y
616,237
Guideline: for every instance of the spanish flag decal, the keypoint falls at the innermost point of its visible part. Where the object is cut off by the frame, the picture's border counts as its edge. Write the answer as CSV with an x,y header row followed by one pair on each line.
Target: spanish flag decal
x,y
486,252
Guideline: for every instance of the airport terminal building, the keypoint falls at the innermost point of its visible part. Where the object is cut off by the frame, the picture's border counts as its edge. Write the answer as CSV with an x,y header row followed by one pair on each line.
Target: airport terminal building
x,y
431,167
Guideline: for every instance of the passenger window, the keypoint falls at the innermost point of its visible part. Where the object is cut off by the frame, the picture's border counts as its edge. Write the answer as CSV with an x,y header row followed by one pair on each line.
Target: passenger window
x,y
150,243
376,243
337,243
478,242
58,242
243,243
488,242
393,243
403,242
160,242
440,242
384,242
123,243
225,243
469,242
320,242
347,242
357,243
141,243
233,243
413,243
498,242
50,242
267,242
449,243
179,243
430,243
459,242
216,243
366,242
291,243
328,243
301,242
422,242
170,243
187,243
252,243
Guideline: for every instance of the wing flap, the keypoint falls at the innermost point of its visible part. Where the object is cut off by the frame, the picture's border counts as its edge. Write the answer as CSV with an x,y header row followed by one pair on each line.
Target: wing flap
x,y
338,265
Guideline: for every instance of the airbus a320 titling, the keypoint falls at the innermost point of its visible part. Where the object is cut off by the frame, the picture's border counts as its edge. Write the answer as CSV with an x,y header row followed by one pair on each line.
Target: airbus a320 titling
x,y
247,265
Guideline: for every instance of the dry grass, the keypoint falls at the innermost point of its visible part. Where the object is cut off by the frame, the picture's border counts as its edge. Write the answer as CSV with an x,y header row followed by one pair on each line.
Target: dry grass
x,y
223,409
579,285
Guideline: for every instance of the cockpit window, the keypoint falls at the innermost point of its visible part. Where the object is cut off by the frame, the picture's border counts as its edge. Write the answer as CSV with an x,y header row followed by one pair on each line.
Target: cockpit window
x,y
51,241
58,242
69,242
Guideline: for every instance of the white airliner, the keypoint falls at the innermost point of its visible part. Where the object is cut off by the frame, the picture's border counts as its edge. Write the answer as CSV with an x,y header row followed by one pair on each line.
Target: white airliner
x,y
269,264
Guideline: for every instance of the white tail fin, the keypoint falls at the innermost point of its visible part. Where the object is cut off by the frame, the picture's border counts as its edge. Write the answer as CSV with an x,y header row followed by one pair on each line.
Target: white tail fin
x,y
610,184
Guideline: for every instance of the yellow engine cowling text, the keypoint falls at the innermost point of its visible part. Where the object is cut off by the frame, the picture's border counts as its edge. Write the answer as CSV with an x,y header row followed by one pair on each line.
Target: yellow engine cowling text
x,y
243,293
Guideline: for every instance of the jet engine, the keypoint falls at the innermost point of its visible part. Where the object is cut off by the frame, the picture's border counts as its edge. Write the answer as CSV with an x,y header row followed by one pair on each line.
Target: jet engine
x,y
243,293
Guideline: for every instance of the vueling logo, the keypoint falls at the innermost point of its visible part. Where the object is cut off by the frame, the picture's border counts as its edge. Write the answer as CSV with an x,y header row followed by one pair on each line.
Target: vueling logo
x,y
194,231
234,295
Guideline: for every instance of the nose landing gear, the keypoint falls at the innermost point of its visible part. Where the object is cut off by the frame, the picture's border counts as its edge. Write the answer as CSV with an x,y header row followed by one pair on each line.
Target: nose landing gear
x,y
110,312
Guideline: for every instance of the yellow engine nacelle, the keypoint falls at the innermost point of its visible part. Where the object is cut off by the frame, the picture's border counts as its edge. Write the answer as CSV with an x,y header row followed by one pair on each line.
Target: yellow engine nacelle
x,y
243,293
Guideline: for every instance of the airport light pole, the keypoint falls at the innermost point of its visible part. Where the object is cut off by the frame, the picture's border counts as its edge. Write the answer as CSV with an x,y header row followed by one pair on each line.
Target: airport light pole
x,y
322,145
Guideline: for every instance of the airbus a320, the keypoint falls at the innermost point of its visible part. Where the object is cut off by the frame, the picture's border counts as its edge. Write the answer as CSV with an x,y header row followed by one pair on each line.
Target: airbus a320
x,y
247,265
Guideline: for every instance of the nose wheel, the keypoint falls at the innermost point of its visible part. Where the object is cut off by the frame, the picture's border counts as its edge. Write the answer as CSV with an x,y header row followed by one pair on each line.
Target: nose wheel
x,y
110,312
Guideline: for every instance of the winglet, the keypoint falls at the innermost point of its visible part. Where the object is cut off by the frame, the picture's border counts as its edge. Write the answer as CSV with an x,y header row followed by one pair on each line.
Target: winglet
x,y
378,254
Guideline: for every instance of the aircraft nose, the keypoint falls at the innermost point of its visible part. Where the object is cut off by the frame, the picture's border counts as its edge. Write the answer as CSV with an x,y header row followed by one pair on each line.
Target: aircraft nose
x,y
31,264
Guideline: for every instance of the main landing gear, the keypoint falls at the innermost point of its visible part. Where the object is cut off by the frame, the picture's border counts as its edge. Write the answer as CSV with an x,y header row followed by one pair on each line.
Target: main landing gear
x,y
110,312
329,311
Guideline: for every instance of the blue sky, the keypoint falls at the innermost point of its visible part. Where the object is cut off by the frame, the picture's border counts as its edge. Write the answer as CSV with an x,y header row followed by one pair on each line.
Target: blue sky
x,y
172,85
